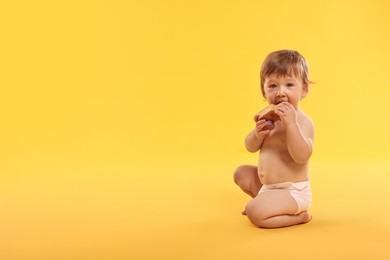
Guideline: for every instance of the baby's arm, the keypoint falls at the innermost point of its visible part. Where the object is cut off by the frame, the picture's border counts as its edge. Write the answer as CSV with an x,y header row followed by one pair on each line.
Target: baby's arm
x,y
300,133
255,138
300,140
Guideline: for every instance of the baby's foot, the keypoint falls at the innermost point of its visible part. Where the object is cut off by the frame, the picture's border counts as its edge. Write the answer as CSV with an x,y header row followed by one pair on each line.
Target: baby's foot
x,y
305,217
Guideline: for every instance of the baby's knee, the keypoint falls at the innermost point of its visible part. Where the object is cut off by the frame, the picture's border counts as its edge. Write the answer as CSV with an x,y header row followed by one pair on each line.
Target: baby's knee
x,y
255,214
238,175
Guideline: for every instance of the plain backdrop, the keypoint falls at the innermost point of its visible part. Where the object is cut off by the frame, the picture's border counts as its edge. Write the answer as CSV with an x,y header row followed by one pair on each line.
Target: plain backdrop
x,y
122,123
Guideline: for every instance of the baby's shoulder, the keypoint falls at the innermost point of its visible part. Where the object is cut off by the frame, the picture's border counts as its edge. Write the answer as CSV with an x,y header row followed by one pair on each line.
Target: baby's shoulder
x,y
304,119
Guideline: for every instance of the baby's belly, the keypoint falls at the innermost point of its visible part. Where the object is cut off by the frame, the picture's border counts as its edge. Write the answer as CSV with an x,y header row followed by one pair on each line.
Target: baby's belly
x,y
275,169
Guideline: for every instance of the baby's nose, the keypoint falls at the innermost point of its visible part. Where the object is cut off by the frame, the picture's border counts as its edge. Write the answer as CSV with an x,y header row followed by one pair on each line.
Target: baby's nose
x,y
280,93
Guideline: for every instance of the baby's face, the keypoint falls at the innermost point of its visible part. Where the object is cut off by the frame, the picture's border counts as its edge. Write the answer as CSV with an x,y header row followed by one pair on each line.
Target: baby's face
x,y
284,89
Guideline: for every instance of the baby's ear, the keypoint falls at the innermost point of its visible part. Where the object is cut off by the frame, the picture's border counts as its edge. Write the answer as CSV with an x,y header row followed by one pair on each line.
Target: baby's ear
x,y
305,90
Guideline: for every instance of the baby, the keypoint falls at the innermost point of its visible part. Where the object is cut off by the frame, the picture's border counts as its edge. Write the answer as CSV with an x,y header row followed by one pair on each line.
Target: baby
x,y
279,184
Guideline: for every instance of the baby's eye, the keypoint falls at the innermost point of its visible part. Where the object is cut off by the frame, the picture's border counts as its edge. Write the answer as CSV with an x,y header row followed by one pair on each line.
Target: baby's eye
x,y
272,86
290,85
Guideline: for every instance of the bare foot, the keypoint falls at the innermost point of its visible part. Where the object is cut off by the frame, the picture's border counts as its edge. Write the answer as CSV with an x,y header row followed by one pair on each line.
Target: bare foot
x,y
305,217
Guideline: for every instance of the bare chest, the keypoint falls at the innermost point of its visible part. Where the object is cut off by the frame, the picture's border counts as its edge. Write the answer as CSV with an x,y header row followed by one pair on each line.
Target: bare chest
x,y
277,138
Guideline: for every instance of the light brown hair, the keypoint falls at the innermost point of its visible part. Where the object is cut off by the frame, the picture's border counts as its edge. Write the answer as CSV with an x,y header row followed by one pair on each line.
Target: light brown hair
x,y
285,63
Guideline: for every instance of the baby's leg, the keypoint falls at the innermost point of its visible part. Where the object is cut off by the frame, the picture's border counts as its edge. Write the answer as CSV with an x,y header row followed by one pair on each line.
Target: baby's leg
x,y
247,179
275,208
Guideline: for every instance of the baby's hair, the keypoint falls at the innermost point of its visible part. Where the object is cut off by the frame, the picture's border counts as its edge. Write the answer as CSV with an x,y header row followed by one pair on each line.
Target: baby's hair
x,y
285,63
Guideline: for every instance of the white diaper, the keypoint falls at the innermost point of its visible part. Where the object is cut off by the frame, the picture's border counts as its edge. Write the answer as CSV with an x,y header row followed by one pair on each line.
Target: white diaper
x,y
300,191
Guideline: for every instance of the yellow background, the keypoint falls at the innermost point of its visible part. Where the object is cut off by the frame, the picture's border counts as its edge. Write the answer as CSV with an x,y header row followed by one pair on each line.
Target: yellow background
x,y
123,121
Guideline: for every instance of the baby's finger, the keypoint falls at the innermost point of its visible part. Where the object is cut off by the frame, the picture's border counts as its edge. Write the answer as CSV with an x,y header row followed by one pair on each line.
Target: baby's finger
x,y
279,111
261,124
265,132
259,128
286,105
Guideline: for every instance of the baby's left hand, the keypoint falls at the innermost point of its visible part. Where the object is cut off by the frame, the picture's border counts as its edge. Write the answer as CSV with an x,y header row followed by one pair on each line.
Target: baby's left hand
x,y
287,113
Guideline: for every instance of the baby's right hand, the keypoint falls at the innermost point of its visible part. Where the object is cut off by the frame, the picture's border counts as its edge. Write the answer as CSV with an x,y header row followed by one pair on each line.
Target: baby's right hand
x,y
262,128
